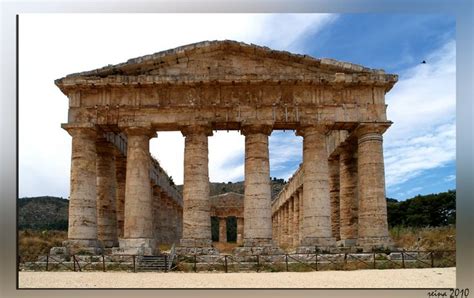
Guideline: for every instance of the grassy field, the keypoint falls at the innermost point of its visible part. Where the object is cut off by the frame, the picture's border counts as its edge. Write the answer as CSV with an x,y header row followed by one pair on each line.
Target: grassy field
x,y
429,238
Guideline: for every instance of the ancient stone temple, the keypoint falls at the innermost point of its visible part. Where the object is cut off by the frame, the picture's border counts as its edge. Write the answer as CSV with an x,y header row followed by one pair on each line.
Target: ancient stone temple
x,y
121,196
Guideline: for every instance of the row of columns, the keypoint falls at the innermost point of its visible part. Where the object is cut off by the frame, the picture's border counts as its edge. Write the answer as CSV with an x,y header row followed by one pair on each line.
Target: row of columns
x,y
112,201
342,198
314,208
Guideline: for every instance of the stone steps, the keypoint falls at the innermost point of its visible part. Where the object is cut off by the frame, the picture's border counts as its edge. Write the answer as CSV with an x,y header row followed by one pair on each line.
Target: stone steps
x,y
153,263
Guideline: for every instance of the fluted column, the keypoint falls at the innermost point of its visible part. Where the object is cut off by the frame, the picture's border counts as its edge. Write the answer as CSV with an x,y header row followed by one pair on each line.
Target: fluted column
x,y
120,174
317,207
290,221
106,195
296,215
156,192
286,227
222,229
257,199
180,223
280,225
300,223
373,227
196,210
138,232
82,230
348,195
334,196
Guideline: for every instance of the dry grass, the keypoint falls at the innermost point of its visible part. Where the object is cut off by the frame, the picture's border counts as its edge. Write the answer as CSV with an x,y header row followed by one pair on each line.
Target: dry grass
x,y
429,238
35,243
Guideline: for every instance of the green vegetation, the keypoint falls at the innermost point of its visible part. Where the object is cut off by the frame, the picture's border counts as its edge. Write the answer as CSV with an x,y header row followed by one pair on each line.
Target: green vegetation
x,y
43,213
432,210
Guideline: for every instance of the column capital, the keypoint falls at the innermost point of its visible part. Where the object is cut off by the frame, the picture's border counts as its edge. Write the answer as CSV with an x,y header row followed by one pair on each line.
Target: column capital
x,y
198,129
76,129
306,130
371,128
140,130
255,128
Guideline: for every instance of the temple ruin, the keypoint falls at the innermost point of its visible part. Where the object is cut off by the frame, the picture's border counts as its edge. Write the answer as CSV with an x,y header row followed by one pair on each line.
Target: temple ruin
x,y
121,198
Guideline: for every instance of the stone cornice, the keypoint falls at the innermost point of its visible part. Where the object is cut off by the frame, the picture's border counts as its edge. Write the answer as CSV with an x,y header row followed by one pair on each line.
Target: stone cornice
x,y
336,80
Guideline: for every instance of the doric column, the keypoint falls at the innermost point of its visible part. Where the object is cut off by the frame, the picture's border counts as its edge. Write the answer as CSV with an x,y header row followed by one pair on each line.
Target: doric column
x,y
317,206
138,232
174,221
222,229
286,231
106,195
120,174
257,199
296,215
290,221
180,223
373,227
196,210
274,225
169,220
240,230
300,223
334,196
156,192
82,230
280,226
348,195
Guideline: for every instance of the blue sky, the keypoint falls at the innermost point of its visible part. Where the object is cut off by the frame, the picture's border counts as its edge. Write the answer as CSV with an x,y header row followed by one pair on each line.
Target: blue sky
x,y
419,148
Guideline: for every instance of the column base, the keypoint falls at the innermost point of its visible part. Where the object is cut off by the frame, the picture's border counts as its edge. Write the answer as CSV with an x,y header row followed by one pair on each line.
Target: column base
x,y
136,246
376,243
257,250
109,243
318,241
346,243
83,246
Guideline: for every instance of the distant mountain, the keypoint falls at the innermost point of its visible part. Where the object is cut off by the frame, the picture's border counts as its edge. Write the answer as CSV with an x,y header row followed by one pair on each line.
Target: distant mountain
x,y
217,188
43,213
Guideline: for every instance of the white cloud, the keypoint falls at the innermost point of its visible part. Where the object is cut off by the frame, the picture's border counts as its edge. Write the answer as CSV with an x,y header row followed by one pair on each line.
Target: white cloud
x,y
422,106
54,45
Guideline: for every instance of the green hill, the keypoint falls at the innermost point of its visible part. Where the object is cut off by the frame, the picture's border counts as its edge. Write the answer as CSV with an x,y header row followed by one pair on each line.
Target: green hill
x,y
43,213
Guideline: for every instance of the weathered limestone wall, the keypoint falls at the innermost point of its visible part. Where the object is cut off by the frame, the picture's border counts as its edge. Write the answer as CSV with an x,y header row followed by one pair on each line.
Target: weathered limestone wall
x,y
257,200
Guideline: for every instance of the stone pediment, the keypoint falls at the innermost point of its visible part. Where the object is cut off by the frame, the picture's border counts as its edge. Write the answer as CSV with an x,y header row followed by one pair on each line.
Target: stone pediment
x,y
226,62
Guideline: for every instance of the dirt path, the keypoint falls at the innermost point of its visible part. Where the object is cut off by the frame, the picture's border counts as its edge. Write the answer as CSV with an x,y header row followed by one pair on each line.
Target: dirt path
x,y
390,278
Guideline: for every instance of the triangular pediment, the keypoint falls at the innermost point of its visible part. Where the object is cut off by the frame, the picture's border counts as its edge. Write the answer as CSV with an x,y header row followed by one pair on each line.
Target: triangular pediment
x,y
223,60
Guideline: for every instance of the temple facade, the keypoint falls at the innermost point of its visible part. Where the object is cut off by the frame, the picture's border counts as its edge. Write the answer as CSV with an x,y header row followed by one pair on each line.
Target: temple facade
x,y
121,197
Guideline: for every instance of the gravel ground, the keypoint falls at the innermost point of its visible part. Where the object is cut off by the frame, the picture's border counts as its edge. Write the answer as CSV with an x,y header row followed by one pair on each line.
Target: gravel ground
x,y
388,278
